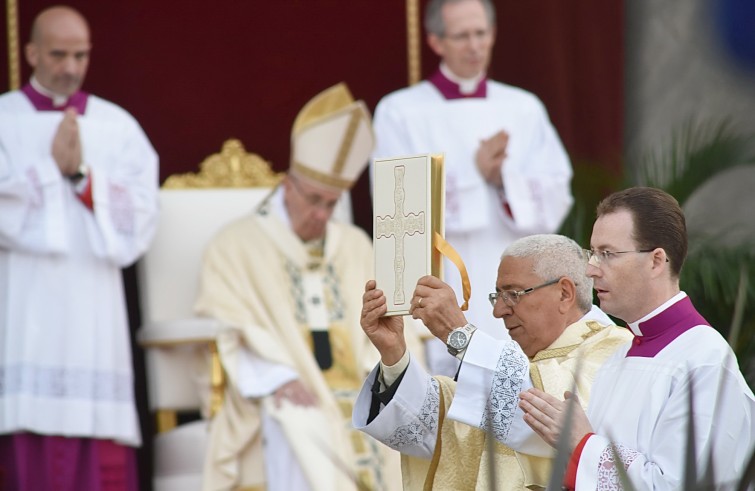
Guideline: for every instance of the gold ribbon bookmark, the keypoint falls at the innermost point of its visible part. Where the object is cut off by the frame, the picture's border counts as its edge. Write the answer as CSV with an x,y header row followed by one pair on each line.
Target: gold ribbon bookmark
x,y
447,250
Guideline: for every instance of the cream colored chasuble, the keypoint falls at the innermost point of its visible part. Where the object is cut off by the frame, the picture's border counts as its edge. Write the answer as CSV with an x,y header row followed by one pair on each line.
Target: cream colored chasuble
x,y
275,296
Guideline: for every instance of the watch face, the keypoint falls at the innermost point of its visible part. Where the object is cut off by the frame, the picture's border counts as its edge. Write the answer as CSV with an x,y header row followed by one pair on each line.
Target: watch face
x,y
457,339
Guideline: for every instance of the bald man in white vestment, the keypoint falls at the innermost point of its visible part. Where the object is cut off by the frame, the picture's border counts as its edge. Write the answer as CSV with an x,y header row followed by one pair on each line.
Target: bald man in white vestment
x,y
507,173
78,194
286,280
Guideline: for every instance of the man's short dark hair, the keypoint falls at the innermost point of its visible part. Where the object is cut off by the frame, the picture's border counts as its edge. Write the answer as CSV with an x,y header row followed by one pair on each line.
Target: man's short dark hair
x,y
434,15
657,218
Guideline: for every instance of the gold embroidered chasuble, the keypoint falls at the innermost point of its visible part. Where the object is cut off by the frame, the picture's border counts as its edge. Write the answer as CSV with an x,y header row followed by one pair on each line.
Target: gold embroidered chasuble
x,y
252,283
461,460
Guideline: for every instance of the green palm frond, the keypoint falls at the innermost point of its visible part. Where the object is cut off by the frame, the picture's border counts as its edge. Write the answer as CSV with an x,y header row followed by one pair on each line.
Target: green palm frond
x,y
697,152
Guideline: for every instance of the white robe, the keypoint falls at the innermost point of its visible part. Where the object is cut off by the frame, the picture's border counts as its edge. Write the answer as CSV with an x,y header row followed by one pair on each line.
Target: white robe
x,y
65,356
536,176
641,404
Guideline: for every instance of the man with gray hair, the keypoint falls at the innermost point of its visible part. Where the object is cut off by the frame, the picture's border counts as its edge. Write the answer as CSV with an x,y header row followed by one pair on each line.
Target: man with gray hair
x,y
507,174
559,340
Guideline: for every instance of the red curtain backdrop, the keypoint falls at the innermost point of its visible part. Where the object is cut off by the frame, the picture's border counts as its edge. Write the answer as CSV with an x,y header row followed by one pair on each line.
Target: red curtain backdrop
x,y
197,73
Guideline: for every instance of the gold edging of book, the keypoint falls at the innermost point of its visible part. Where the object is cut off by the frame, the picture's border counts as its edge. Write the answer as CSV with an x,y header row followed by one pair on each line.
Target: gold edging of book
x,y
233,167
434,228
438,206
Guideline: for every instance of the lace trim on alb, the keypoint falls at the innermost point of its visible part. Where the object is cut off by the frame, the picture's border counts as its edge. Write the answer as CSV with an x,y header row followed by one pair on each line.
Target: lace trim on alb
x,y
65,383
608,474
504,394
413,433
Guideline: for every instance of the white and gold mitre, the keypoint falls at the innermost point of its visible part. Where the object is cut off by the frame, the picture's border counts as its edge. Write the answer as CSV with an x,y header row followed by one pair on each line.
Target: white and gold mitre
x,y
332,138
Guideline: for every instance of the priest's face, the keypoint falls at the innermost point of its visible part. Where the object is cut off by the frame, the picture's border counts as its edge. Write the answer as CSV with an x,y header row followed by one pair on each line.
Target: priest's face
x,y
536,320
59,50
468,39
309,206
622,281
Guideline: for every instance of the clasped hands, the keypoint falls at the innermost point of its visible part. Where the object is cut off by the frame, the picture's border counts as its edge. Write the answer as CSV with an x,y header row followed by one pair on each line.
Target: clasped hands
x,y
490,156
546,415
66,144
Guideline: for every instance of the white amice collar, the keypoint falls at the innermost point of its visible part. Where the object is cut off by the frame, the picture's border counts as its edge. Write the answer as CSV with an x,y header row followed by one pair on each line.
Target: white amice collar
x,y
278,206
57,99
635,326
466,85
595,314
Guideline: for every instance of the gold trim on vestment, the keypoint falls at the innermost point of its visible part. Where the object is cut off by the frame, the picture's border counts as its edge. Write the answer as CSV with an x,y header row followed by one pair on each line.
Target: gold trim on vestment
x,y
537,379
554,352
348,139
545,354
595,328
217,380
324,104
14,50
438,441
320,177
233,167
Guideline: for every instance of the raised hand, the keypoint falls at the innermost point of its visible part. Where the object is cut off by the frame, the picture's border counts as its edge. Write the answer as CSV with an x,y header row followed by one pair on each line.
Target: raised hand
x,y
386,333
434,303
490,156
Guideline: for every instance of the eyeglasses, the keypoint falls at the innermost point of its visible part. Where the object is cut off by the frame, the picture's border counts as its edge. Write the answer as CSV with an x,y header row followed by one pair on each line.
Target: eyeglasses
x,y
313,200
596,258
512,297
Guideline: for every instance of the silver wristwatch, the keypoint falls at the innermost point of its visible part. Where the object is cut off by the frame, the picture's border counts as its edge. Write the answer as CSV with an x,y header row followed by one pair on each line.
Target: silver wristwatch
x,y
459,338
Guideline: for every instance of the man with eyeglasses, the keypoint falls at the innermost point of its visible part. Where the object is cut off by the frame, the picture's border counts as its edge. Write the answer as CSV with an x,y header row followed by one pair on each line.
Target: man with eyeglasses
x,y
286,280
559,340
507,174
639,417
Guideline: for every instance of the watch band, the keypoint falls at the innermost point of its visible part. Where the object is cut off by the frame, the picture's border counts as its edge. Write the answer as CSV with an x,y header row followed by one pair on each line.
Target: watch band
x,y
467,330
81,172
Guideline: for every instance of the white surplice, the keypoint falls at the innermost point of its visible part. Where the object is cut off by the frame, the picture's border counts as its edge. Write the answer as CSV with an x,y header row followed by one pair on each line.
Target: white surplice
x,y
536,175
641,404
65,355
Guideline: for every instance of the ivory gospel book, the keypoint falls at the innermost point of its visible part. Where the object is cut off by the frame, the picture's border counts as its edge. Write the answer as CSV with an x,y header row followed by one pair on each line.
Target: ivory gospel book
x,y
408,203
